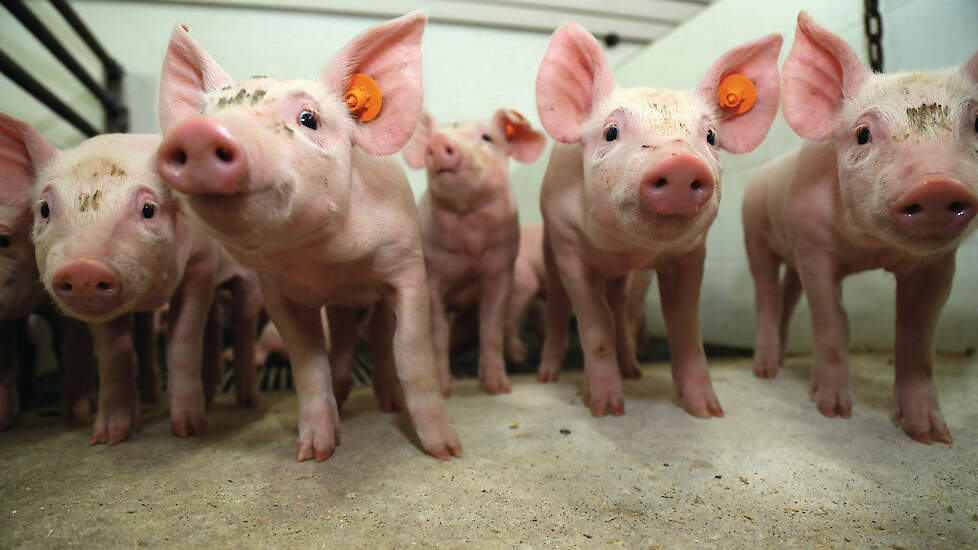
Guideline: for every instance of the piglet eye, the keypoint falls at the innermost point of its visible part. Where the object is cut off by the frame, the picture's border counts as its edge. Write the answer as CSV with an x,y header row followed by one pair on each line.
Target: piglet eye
x,y
148,211
611,134
862,135
711,137
4,241
486,137
308,119
45,209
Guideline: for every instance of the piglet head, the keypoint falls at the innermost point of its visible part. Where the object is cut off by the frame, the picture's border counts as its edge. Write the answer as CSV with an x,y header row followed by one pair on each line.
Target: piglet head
x,y
468,162
23,150
906,144
104,226
651,156
261,160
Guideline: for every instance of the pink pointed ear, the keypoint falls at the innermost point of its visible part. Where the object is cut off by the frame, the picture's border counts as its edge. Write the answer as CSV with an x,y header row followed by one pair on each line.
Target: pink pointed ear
x,y
820,73
970,68
523,142
741,132
414,151
188,74
23,151
574,76
390,54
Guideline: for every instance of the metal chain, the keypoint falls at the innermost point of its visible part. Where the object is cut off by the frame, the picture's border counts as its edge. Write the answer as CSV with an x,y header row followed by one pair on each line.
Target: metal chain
x,y
874,33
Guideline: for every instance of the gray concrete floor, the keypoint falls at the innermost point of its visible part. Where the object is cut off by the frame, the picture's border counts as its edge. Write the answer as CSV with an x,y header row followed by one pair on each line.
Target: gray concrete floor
x,y
539,472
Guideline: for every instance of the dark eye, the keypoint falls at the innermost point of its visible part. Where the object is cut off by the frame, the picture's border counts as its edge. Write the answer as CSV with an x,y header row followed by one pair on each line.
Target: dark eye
x,y
148,211
611,134
45,210
862,136
4,241
485,137
711,137
308,119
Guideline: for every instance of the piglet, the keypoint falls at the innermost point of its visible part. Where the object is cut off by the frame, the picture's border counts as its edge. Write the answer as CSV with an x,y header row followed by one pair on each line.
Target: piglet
x,y
109,241
529,275
470,227
635,184
21,292
289,175
889,180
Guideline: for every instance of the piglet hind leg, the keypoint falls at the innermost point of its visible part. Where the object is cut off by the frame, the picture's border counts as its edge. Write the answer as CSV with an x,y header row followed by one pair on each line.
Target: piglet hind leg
x,y
343,340
679,290
319,416
189,310
78,368
557,316
830,332
144,334
9,393
118,399
386,388
415,363
768,300
921,294
245,311
624,328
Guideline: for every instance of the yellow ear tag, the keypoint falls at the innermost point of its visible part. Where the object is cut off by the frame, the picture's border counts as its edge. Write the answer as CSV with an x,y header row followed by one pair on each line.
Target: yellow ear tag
x,y
363,98
736,94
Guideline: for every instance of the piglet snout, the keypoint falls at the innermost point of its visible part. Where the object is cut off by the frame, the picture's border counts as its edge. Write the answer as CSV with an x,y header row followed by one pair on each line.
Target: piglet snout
x,y
677,186
935,208
200,156
442,154
88,286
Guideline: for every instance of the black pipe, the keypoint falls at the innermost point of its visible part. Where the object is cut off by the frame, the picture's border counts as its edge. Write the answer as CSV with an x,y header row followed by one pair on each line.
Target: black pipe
x,y
33,24
113,70
15,72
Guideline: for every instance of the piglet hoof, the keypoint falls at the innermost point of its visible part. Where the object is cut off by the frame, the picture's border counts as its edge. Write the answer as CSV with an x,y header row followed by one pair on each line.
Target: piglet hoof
x,y
495,382
516,351
318,431
437,436
833,400
187,415
247,398
765,364
548,372
700,401
917,411
113,424
389,399
629,369
77,409
604,397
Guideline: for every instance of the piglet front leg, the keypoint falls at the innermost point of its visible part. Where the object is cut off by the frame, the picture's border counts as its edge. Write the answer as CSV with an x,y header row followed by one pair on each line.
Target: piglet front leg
x,y
386,389
78,368
189,310
679,289
319,417
415,362
496,291
118,399
921,294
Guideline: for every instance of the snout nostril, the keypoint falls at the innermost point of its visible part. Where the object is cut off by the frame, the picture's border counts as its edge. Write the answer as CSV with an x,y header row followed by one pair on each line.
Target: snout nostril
x,y
180,157
104,286
661,182
696,184
224,154
66,287
912,209
957,207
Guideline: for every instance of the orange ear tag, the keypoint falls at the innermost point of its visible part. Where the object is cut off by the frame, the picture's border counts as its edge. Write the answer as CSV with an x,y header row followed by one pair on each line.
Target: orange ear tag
x,y
363,98
510,127
736,94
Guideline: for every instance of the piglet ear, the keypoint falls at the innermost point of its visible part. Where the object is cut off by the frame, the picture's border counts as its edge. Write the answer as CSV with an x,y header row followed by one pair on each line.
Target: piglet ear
x,y
970,69
820,73
742,86
574,76
188,73
414,151
390,55
523,142
23,151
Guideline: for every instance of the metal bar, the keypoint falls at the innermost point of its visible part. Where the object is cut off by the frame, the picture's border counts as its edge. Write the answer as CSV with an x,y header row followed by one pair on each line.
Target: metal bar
x,y
33,24
15,72
112,68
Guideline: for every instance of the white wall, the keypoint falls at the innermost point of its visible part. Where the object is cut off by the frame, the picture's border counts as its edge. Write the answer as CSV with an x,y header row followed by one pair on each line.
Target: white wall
x,y
469,72
918,34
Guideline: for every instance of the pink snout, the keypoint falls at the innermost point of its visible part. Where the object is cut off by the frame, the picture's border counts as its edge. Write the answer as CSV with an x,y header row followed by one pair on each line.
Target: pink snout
x,y
201,157
677,186
935,208
88,287
442,154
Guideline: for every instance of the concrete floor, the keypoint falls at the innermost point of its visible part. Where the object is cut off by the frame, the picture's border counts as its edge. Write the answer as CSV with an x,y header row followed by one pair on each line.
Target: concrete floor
x,y
539,472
